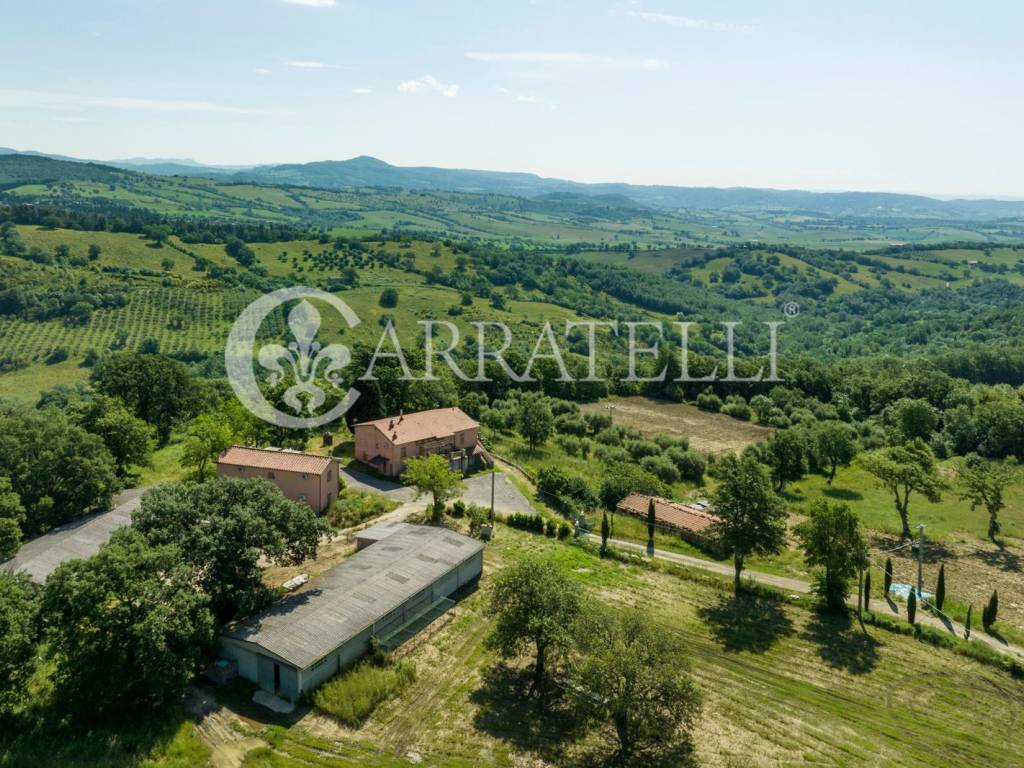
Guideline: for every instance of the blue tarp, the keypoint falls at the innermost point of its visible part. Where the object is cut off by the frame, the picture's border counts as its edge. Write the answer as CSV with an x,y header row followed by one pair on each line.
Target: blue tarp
x,y
903,591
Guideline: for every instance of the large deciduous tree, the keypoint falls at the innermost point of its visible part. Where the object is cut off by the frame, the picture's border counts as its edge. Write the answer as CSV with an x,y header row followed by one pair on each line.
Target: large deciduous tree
x,y
125,628
128,438
58,470
224,529
903,470
753,518
158,389
837,445
634,675
12,516
786,455
832,541
207,436
18,611
622,479
536,606
433,475
984,483
534,420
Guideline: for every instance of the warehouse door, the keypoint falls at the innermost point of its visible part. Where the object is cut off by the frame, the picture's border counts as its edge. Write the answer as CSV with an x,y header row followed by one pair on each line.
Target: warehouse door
x,y
269,674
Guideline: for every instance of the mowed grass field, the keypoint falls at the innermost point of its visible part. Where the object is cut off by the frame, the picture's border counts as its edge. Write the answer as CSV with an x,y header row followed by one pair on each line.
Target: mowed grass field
x,y
781,686
707,432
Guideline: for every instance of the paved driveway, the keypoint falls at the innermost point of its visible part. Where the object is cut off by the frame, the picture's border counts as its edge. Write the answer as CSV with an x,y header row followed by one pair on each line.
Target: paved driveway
x,y
507,497
359,481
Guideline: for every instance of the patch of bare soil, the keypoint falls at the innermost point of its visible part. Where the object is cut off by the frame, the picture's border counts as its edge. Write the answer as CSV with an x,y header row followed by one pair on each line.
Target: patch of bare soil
x,y
219,730
707,432
973,570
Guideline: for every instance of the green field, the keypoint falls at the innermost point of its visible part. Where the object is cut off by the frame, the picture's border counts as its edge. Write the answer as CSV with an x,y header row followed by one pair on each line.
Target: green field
x,y
783,686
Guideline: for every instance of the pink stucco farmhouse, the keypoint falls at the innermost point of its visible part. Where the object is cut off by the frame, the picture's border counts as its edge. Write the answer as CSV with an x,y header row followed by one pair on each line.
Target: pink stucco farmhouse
x,y
385,444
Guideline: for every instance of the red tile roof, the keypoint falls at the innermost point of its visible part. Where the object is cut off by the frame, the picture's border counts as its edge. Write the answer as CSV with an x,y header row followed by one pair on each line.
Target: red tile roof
x,y
271,458
422,425
672,513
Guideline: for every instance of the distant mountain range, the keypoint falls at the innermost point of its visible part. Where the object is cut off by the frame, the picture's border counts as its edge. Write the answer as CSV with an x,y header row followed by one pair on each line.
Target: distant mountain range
x,y
370,172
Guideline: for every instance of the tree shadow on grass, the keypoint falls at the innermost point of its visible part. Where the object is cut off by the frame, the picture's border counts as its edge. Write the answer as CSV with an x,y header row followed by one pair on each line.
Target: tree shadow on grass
x,y
747,622
1000,558
843,494
841,643
677,754
508,712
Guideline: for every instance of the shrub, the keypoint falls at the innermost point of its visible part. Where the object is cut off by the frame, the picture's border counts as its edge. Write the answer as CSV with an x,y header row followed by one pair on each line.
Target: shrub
x,y
598,421
611,454
550,528
58,355
569,443
661,467
739,411
671,441
352,696
458,509
609,436
388,298
640,449
353,507
571,424
709,401
691,465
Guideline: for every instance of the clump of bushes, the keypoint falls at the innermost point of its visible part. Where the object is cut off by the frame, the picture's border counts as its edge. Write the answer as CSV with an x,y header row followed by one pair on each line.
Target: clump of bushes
x,y
537,523
353,507
709,401
352,696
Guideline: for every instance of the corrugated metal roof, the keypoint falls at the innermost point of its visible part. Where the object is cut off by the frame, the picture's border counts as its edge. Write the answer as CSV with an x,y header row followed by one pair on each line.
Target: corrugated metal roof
x,y
306,626
269,458
422,425
81,539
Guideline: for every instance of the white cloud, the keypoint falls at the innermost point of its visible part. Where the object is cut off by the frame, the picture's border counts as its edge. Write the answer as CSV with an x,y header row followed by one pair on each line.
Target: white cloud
x,y
570,59
313,3
526,99
20,99
361,91
301,64
261,71
429,83
686,22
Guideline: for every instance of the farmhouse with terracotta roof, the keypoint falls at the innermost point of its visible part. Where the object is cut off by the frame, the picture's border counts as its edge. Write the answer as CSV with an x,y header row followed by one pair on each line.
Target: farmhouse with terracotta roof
x,y
386,443
300,476
691,520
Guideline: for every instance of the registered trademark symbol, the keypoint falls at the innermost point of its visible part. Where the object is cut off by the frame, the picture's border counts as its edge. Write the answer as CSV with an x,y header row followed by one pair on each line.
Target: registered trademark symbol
x,y
791,309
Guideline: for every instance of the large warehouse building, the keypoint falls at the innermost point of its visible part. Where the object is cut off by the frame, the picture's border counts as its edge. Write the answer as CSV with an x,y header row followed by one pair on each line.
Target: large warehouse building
x,y
386,590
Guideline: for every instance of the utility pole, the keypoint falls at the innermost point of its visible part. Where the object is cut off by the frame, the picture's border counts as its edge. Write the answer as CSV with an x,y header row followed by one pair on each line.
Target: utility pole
x,y
920,559
492,495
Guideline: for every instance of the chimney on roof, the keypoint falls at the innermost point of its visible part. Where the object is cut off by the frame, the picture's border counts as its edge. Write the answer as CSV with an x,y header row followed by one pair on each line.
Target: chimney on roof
x,y
401,415
391,424
394,436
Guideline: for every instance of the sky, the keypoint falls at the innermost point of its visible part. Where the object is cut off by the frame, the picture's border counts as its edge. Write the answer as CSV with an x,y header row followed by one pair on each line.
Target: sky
x,y
910,97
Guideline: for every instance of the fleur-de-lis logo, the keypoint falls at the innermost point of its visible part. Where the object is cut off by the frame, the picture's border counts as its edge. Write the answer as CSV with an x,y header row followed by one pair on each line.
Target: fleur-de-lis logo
x,y
307,366
304,357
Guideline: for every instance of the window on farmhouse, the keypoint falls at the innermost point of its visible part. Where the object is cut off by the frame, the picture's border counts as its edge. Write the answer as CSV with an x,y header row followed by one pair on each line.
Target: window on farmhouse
x,y
270,475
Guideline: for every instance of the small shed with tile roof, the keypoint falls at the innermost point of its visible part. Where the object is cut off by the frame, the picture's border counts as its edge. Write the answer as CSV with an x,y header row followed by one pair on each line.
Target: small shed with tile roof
x,y
691,520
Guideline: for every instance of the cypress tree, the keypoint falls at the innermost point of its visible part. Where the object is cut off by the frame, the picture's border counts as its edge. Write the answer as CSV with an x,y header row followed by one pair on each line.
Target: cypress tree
x,y
940,589
991,612
867,590
605,532
912,606
967,629
651,519
888,575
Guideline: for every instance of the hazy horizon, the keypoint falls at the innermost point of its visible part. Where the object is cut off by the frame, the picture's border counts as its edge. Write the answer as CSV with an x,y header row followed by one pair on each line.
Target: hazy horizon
x,y
913,99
